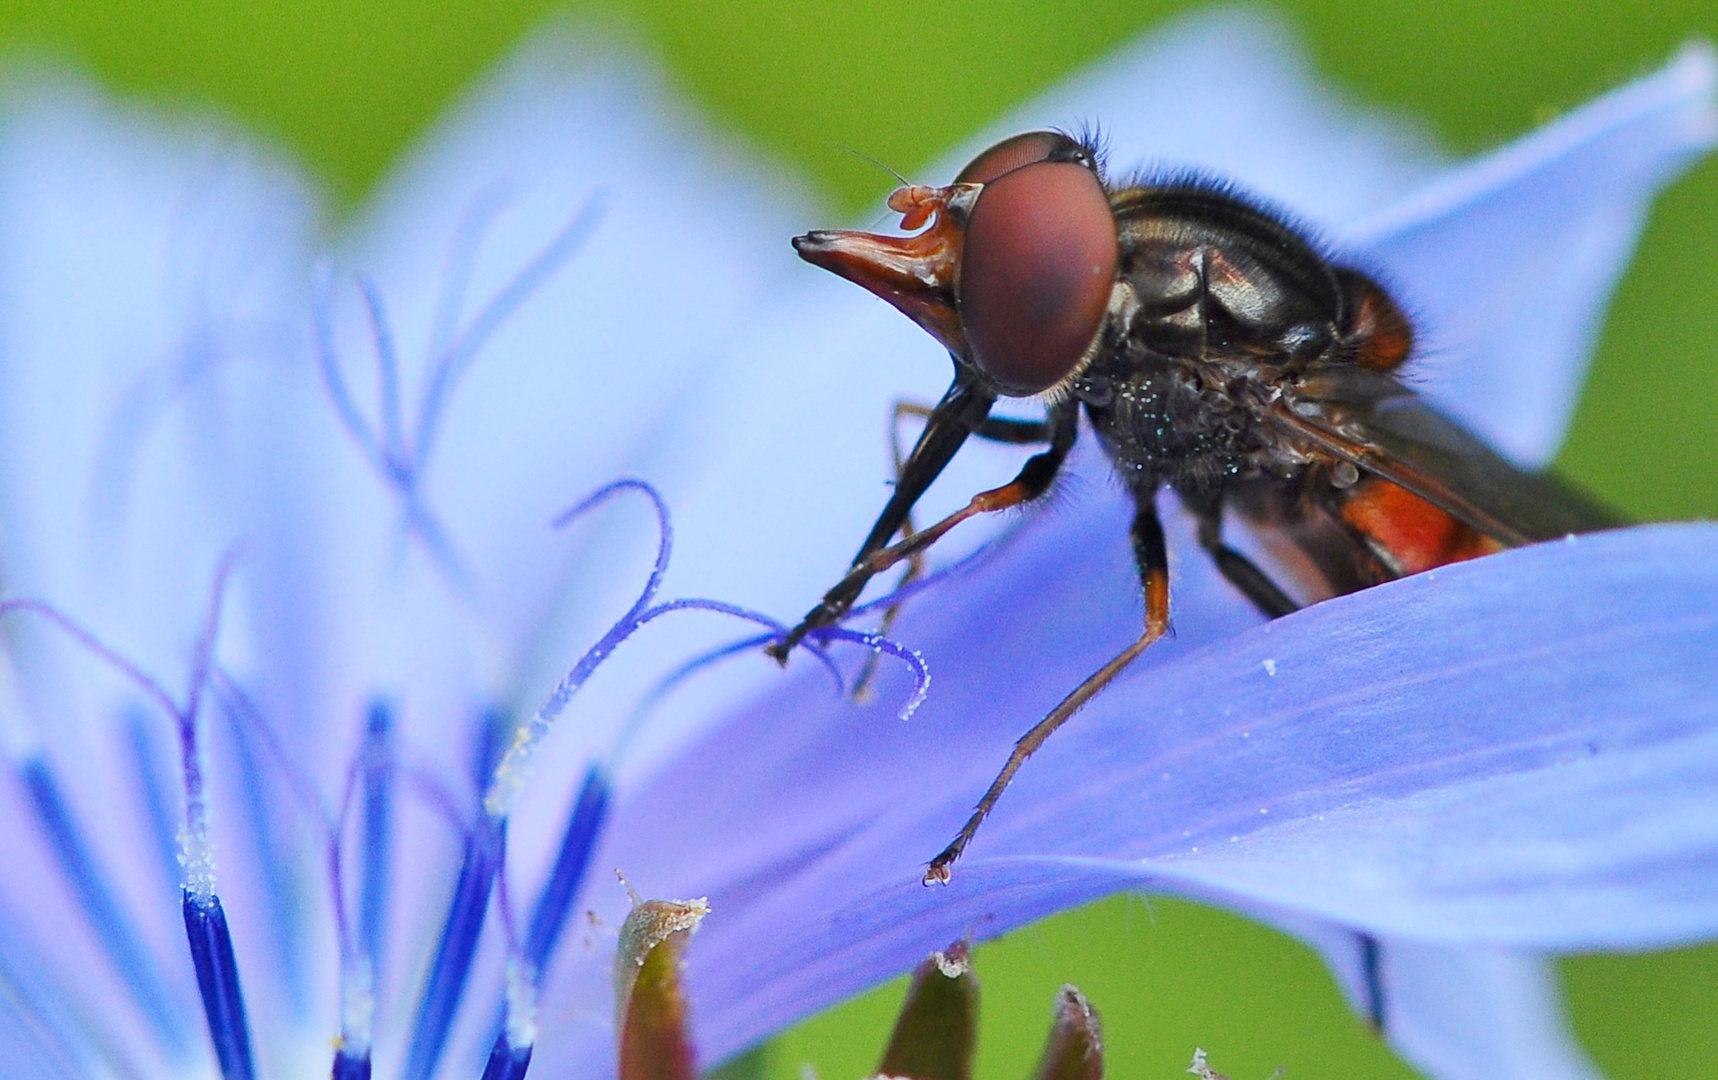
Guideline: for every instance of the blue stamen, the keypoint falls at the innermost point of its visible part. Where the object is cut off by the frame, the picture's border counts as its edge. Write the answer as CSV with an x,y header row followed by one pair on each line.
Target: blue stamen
x,y
554,904
458,947
473,223
218,979
511,1052
420,519
332,380
877,643
506,1063
206,931
387,378
378,779
154,787
921,674
118,936
351,1068
509,774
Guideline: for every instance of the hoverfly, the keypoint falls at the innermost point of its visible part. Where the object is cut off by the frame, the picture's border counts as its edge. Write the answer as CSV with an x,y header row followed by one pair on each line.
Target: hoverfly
x,y
1214,351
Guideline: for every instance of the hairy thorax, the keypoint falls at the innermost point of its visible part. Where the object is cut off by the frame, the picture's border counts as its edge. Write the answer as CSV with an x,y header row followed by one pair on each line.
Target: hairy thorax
x,y
1217,311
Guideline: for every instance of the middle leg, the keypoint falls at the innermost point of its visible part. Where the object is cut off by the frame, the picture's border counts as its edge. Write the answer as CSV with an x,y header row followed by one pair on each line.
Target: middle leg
x,y
1153,562
1240,571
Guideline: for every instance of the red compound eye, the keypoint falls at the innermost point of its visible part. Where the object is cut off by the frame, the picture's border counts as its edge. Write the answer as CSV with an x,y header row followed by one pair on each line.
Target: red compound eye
x,y
1011,154
1037,268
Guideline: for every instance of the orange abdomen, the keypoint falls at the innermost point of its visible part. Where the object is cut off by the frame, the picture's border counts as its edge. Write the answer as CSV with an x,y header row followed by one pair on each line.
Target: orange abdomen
x,y
1409,532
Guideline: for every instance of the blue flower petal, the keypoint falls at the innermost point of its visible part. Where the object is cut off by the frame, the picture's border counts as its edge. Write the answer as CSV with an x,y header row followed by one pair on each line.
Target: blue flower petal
x,y
1506,263
1480,1014
808,817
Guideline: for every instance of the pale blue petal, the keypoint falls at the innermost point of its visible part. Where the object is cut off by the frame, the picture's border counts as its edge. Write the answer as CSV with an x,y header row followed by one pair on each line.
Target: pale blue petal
x,y
1506,263
1462,1012
1479,1014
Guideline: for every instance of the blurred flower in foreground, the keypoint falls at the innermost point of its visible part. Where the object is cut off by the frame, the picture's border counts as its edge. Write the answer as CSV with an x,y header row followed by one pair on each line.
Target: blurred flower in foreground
x,y
1432,782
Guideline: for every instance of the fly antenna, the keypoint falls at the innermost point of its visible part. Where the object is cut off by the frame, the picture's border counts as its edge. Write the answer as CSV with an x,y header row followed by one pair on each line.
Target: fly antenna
x,y
863,156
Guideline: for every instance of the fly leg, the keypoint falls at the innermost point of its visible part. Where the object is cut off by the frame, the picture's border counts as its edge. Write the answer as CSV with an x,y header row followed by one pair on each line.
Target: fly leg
x,y
1243,573
1153,562
1033,480
994,429
963,408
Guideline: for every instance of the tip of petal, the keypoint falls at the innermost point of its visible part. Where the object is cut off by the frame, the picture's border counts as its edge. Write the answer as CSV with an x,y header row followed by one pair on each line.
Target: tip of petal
x,y
650,1008
651,922
937,1030
1075,1048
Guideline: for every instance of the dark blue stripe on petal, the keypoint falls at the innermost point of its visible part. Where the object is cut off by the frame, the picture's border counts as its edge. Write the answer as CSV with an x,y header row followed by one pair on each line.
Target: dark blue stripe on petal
x,y
506,1063
117,933
351,1068
549,917
378,819
458,945
218,979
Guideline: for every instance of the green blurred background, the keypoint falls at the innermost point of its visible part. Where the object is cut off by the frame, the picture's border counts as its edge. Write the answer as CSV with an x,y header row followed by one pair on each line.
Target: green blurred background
x,y
346,86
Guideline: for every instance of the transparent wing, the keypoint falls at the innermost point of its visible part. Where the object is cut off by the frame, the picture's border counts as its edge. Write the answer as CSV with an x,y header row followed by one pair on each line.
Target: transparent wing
x,y
1370,419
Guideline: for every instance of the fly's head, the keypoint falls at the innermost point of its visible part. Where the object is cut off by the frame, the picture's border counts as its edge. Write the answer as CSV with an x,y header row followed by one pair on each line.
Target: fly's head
x,y
1013,268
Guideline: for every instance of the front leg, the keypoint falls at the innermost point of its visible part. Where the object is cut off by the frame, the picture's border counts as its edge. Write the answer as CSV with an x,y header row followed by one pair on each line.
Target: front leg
x,y
998,429
1034,479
